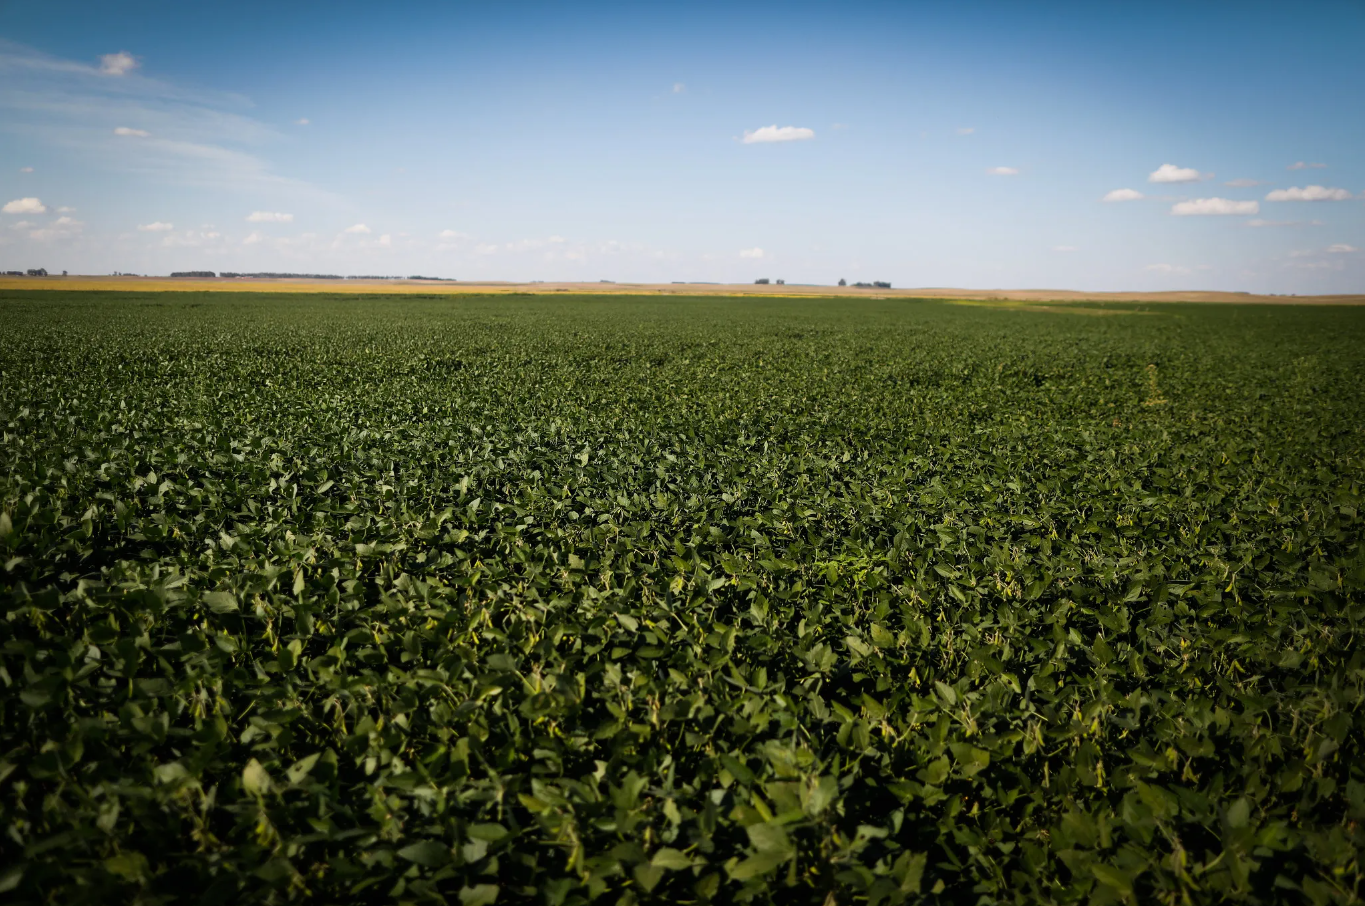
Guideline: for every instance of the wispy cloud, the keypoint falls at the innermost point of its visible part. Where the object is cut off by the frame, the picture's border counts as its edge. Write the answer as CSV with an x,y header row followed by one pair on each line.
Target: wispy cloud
x,y
184,136
1122,195
193,239
451,235
61,228
776,133
25,169
1168,269
269,217
1308,193
751,253
1243,183
25,206
155,227
1215,206
118,64
303,121
1282,223
1168,173
1003,171
1314,260
966,130
1303,166
358,228
679,88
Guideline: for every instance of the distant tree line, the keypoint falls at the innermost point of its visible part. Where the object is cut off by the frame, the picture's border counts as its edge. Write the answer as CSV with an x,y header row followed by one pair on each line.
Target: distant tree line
x,y
32,272
445,279
276,276
193,274
875,284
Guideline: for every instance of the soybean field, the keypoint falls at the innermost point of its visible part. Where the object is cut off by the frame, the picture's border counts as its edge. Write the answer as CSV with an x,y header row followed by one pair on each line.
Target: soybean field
x,y
612,599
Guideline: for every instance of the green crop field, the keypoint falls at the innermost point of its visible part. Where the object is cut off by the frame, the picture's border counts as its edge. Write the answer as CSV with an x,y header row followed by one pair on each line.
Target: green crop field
x,y
628,599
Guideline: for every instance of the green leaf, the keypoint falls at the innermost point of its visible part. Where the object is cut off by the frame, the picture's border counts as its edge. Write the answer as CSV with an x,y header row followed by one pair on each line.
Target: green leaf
x,y
489,833
648,875
671,859
301,768
129,865
970,759
479,895
427,853
770,838
1113,877
756,866
255,780
908,870
221,602
947,692
10,877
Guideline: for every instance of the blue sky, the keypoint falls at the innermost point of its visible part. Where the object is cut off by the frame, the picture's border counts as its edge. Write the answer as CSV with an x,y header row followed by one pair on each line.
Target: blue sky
x,y
966,144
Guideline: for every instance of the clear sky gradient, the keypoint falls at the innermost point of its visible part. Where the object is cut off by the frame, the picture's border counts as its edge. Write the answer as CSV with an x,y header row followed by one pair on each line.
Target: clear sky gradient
x,y
966,144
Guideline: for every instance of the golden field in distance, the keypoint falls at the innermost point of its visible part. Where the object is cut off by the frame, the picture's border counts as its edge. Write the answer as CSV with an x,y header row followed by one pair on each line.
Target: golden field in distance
x,y
252,284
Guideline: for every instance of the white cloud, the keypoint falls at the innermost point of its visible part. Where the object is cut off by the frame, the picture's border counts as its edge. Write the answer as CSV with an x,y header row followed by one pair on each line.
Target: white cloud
x,y
157,227
1313,263
269,217
252,238
966,130
1273,223
1303,166
358,228
65,210
1002,171
127,130
25,169
302,121
751,253
775,134
191,239
1215,206
451,235
1122,195
1341,248
1242,183
1308,193
1065,248
1172,173
485,248
556,239
117,64
385,240
61,228
679,88
25,206
1168,269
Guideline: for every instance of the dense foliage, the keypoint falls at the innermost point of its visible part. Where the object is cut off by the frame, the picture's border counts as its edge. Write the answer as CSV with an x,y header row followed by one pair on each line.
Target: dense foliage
x,y
622,599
